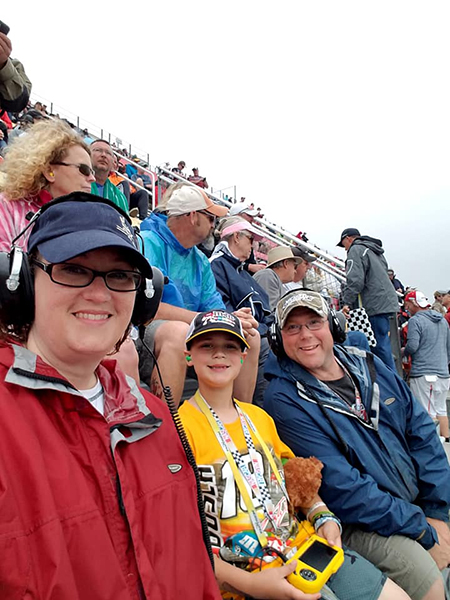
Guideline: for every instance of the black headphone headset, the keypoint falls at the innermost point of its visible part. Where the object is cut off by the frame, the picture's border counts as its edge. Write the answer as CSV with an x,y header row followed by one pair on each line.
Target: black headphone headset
x,y
336,323
17,283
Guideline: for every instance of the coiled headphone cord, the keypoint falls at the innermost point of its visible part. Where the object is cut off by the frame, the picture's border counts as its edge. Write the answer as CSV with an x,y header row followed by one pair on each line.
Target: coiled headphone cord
x,y
186,446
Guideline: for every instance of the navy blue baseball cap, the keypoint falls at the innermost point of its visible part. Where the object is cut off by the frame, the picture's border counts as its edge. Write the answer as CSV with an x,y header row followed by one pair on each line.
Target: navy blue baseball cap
x,y
351,231
81,222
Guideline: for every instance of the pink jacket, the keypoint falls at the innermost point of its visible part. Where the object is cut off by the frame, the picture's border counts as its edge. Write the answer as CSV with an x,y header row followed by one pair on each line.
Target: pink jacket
x,y
13,219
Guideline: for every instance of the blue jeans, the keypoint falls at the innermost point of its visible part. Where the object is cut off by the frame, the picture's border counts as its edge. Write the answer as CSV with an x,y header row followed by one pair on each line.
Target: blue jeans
x,y
380,325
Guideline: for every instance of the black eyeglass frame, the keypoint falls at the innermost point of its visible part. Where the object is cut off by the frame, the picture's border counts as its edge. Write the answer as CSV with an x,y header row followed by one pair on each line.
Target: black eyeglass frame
x,y
89,170
48,268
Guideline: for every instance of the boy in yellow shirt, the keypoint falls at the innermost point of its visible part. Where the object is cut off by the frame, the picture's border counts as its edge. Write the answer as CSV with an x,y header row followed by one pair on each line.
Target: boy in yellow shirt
x,y
240,460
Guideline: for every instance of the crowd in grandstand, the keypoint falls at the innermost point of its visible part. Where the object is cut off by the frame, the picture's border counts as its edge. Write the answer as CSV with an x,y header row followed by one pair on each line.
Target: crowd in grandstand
x,y
118,283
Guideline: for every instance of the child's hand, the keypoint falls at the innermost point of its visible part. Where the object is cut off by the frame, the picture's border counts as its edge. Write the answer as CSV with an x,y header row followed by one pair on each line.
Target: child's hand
x,y
271,584
330,531
249,323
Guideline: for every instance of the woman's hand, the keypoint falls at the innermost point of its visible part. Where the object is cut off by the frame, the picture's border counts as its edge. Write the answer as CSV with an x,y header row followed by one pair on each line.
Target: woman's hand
x,y
271,584
330,531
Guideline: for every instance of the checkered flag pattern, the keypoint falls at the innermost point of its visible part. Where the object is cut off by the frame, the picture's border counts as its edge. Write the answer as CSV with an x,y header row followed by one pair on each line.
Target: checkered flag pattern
x,y
359,321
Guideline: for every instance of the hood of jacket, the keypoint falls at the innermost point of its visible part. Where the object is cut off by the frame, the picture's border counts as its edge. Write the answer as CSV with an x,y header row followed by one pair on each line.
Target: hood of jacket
x,y
157,222
373,244
430,315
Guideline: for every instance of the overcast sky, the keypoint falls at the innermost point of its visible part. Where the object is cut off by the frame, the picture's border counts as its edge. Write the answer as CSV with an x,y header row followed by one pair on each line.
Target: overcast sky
x,y
326,114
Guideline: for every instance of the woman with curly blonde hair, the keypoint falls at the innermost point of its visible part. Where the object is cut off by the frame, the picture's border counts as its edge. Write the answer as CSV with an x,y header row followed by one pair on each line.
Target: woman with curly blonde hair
x,y
51,160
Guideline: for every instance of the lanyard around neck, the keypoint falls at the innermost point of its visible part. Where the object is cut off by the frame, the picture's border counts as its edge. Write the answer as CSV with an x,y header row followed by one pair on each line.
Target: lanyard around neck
x,y
255,481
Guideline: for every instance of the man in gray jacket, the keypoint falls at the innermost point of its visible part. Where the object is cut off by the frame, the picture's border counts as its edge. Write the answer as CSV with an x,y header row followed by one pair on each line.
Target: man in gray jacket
x,y
428,345
367,276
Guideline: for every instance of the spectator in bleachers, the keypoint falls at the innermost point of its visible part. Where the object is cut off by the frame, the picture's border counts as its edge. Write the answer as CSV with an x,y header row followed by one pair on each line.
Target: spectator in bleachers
x,y
25,122
197,179
398,285
247,212
3,136
428,344
446,305
367,280
238,288
171,242
281,264
103,164
301,269
146,180
179,169
15,87
139,198
116,178
386,474
437,304
98,499
50,161
130,168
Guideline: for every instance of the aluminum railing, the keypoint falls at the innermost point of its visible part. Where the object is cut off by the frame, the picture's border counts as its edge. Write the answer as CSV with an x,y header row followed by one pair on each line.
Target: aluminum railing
x,y
162,176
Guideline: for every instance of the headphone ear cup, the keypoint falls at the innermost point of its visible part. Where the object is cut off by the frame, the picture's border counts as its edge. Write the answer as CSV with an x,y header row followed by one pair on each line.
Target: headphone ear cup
x,y
16,288
337,322
148,298
276,341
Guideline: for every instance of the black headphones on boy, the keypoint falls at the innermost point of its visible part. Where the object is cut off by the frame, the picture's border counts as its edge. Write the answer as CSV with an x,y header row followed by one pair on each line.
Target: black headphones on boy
x,y
336,321
17,283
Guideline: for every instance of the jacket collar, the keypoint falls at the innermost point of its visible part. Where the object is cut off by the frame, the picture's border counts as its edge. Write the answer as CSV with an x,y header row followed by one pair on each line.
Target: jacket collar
x,y
124,403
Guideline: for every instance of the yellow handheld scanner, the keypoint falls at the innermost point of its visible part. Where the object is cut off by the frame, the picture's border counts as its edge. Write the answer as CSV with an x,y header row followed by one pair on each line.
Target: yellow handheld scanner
x,y
316,563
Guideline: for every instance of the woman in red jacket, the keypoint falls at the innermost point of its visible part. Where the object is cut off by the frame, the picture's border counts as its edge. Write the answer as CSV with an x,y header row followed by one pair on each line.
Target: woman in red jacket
x,y
97,497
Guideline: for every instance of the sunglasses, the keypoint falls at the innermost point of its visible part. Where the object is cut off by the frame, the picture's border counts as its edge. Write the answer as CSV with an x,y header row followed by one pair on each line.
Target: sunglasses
x,y
249,236
210,217
84,169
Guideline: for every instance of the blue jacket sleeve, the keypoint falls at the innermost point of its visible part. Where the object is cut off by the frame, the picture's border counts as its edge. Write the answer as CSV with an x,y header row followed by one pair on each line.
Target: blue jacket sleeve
x,y
430,460
221,284
355,497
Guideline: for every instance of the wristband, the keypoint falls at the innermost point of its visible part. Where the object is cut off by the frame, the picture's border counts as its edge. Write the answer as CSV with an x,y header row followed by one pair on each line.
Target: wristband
x,y
318,524
320,514
313,508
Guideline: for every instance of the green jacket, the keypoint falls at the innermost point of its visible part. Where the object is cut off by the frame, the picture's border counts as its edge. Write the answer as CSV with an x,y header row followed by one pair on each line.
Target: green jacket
x,y
110,192
15,87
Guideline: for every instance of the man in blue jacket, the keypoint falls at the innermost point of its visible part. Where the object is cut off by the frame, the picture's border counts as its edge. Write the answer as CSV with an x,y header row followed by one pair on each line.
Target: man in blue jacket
x,y
385,472
171,243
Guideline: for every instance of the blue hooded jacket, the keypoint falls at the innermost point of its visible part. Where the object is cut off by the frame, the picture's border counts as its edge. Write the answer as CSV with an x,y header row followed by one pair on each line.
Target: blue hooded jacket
x,y
191,281
385,476
238,288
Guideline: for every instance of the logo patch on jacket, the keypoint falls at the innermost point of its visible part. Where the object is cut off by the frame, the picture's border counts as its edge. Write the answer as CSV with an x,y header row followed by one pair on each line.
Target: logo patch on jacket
x,y
174,468
389,401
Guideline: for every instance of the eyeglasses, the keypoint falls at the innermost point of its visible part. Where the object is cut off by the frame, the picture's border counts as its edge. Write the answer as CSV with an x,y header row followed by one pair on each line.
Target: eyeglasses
x,y
211,218
84,169
102,151
312,325
250,237
76,276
